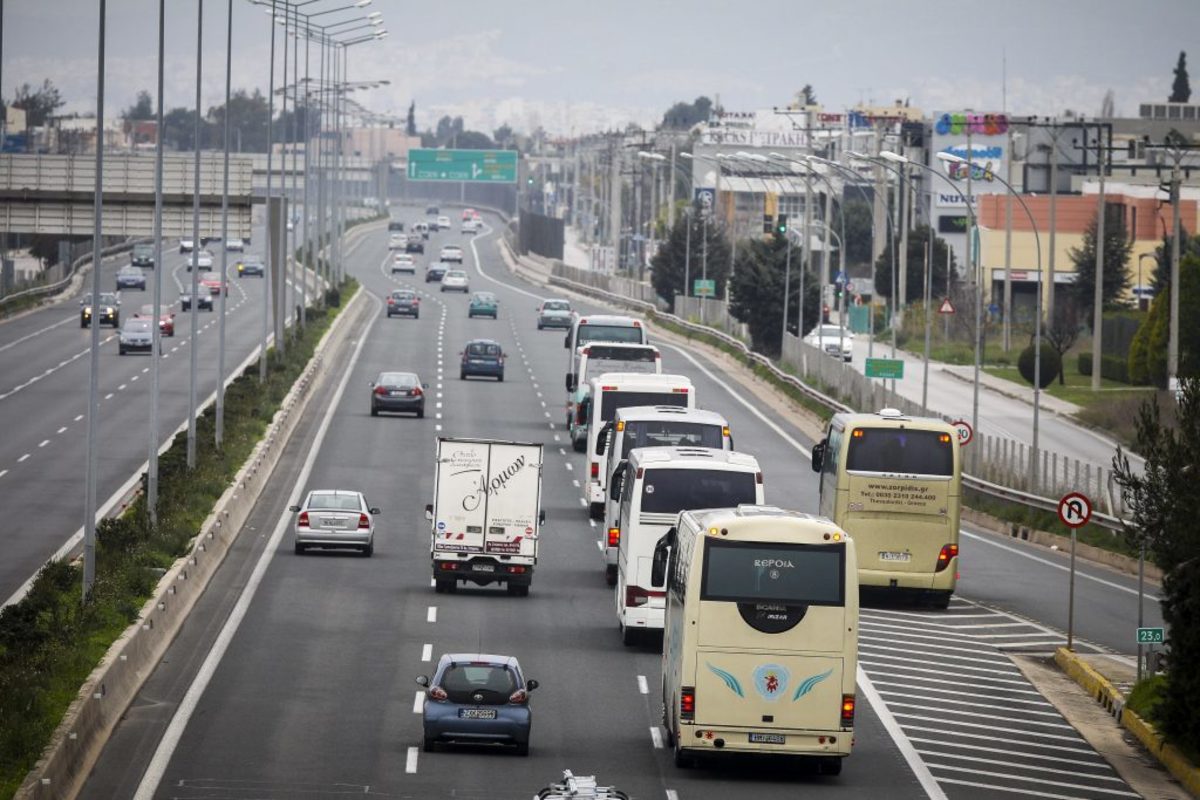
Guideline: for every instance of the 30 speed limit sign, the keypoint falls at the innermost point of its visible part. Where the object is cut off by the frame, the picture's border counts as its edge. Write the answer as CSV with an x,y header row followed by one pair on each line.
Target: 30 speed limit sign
x,y
965,432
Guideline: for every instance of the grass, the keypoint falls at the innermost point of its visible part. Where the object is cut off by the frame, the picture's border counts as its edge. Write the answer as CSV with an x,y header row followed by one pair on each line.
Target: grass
x,y
1147,696
1077,388
51,641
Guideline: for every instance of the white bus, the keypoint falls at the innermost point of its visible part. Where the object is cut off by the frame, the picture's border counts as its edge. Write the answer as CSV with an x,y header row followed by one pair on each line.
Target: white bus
x,y
654,484
596,359
602,328
894,483
651,426
614,390
760,646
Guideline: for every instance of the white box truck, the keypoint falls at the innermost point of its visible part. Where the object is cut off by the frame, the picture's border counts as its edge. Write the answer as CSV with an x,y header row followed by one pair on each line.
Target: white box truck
x,y
486,513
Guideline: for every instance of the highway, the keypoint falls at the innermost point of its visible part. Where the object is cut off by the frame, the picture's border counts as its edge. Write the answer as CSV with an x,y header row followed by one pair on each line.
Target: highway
x,y
294,676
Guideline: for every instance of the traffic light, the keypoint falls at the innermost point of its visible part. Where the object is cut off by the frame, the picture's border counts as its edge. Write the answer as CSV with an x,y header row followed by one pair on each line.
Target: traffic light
x,y
781,225
768,223
529,180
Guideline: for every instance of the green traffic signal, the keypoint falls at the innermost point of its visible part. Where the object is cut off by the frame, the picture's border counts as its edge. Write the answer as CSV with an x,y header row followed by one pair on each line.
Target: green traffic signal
x,y
781,225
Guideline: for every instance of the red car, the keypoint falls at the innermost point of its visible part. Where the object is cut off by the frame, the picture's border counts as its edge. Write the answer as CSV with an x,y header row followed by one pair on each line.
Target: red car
x,y
166,321
215,285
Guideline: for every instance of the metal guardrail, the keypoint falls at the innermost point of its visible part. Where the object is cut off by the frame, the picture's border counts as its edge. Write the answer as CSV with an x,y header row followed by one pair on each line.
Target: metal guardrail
x,y
970,482
58,286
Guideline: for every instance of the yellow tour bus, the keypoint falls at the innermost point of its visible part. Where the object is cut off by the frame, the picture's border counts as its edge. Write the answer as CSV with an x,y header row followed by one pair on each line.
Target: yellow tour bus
x,y
894,483
760,642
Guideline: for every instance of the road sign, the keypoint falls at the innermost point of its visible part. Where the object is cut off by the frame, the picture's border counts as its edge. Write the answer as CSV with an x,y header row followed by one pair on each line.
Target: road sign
x,y
471,166
946,307
965,432
889,368
842,278
707,198
1149,635
1074,510
703,288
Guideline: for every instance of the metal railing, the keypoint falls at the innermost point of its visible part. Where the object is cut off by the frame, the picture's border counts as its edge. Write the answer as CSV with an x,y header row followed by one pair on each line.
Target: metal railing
x,y
59,286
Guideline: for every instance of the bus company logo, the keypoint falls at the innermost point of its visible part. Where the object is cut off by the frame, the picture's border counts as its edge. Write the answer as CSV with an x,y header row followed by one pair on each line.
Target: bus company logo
x,y
775,563
770,681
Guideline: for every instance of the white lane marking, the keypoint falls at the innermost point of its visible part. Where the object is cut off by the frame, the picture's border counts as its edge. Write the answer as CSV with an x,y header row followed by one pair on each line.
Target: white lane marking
x,y
38,332
643,687
431,614
547,413
576,482
562,451
419,703
582,502
22,458
183,713
3,472
569,467
557,438
108,396
78,417
410,763
437,414
592,522
121,388
672,794
135,377
44,443
437,427
915,762
656,737
427,651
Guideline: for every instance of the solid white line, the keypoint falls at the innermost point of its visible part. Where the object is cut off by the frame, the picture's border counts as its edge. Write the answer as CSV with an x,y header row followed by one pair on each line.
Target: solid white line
x,y
427,652
915,763
431,614
3,472
939,695
656,737
643,687
993,728
419,703
975,714
179,721
672,794
28,336
410,763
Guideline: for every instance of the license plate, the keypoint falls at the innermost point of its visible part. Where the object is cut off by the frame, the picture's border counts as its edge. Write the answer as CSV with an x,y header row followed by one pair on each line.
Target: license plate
x,y
397,394
477,713
891,555
483,567
768,738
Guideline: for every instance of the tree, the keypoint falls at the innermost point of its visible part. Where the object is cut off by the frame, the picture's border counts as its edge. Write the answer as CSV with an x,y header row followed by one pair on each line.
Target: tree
x,y
1148,352
447,131
1117,248
915,288
1161,277
38,104
474,140
142,108
1061,334
504,137
410,122
683,116
1181,88
757,289
673,268
1170,529
247,122
858,217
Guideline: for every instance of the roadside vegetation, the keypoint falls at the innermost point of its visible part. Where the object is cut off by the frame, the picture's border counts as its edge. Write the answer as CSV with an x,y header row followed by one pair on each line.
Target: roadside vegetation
x,y
51,641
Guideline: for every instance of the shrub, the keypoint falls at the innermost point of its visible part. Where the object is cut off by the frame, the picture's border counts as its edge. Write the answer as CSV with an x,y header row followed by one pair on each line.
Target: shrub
x,y
1051,363
1113,368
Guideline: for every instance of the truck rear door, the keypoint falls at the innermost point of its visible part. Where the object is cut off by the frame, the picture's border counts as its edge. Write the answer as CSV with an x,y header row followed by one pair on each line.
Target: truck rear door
x,y
513,495
460,508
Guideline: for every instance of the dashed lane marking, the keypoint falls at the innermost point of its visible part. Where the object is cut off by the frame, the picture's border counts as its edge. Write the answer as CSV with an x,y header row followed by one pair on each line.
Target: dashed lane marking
x,y
410,763
431,614
419,703
427,652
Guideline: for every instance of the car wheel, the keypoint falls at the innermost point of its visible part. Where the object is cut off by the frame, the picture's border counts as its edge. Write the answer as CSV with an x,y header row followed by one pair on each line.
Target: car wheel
x,y
610,574
540,326
374,411
369,550
421,414
417,315
500,377
430,744
300,549
444,586
579,445
120,350
517,590
82,324
462,376
522,748
829,766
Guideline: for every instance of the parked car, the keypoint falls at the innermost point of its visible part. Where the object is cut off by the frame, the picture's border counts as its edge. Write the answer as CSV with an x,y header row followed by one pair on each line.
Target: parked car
x,y
404,302
166,319
404,262
554,313
131,278
455,280
483,304
137,336
482,357
335,518
107,313
204,301
251,265
832,340
398,391
434,272
476,698
451,253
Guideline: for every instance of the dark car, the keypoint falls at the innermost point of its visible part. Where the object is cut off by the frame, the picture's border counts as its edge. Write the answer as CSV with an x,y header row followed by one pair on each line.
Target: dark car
x,y
432,210
415,245
204,300
251,265
108,312
475,698
435,272
131,277
143,255
398,391
404,302
137,336
396,225
482,357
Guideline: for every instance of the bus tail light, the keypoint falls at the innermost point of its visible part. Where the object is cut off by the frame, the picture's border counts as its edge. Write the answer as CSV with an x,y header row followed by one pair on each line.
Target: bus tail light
x,y
847,709
614,537
758,478
595,469
949,552
687,703
636,596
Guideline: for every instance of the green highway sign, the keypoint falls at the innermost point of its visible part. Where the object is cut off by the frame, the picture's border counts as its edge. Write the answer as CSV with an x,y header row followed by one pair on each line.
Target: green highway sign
x,y
1149,635
703,288
889,368
471,166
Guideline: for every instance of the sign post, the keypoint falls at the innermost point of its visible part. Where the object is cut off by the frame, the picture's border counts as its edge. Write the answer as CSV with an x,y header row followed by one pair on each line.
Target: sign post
x,y
1074,510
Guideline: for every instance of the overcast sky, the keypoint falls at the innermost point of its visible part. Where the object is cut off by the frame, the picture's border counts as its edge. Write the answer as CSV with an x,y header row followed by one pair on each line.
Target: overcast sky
x,y
580,66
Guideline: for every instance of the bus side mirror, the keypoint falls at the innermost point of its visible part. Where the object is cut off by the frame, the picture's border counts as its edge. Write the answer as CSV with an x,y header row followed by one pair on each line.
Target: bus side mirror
x,y
567,342
542,517
583,411
429,512
662,550
818,456
614,487
602,439
570,381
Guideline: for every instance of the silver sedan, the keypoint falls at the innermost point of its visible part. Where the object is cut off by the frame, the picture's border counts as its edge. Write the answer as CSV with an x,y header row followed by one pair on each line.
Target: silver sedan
x,y
335,518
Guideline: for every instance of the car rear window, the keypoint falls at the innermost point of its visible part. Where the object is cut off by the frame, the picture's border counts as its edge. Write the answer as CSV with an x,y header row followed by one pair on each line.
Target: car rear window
x,y
334,502
484,349
402,295
398,379
478,683
137,325
556,305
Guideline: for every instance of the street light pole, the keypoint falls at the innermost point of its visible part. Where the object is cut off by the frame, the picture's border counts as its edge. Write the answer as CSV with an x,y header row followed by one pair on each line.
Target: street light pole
x,y
156,331
1098,293
193,361
268,271
219,430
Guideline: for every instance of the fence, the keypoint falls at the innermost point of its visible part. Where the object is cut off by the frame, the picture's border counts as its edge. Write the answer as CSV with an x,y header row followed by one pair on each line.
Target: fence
x,y
710,312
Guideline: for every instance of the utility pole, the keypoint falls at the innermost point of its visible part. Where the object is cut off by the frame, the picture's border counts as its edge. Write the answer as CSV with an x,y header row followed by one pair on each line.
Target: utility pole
x,y
614,203
905,220
1173,335
671,181
1055,132
1008,251
1098,293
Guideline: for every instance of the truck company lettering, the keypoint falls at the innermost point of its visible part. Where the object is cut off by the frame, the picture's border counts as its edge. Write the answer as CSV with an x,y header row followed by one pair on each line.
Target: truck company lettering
x,y
496,485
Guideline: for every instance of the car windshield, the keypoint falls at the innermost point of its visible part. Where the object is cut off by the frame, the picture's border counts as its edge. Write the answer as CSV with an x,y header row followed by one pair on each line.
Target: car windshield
x,y
137,325
484,298
829,332
478,683
556,305
334,501
130,271
255,261
402,295
402,379
483,349
108,299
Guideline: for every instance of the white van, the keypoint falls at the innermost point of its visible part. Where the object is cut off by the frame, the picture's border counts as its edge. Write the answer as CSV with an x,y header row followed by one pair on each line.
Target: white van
x,y
653,485
651,426
614,390
596,359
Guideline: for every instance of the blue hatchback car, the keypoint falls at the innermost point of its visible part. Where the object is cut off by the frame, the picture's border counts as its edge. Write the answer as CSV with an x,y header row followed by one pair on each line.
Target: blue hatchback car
x,y
482,357
477,699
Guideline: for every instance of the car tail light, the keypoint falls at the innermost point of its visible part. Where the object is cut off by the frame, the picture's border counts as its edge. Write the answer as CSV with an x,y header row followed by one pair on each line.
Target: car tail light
x,y
680,391
380,390
416,301
303,520
437,693
518,697
614,537
417,392
391,301
363,521
516,569
847,709
595,469
687,703
949,551
448,565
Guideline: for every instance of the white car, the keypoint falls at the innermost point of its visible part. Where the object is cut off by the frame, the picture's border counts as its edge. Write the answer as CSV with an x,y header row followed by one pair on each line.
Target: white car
x,y
451,252
234,245
832,340
204,260
335,518
403,262
443,223
397,241
469,225
455,280
187,245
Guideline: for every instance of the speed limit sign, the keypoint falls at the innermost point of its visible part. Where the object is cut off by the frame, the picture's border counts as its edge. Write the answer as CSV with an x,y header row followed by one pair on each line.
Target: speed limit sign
x,y
965,432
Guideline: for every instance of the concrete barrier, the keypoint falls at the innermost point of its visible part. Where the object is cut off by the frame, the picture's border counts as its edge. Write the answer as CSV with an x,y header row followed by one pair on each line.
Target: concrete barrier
x,y
112,686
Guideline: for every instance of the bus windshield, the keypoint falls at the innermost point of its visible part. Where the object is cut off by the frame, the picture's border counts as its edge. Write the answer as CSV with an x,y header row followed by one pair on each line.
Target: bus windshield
x,y
669,433
788,574
900,450
608,333
613,400
669,491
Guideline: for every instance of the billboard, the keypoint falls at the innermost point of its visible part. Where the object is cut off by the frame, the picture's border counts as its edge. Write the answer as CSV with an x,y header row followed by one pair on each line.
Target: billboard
x,y
987,135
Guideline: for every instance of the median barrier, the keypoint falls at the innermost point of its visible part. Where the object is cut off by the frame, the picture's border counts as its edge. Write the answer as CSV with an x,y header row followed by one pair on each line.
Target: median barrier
x,y
129,661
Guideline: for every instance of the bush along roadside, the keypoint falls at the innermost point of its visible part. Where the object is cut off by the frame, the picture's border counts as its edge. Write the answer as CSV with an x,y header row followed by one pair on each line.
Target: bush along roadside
x,y
50,641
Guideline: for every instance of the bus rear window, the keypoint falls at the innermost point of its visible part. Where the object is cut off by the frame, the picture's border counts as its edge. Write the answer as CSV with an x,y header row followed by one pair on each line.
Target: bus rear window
x,y
790,574
900,450
669,491
669,433
608,333
619,353
613,400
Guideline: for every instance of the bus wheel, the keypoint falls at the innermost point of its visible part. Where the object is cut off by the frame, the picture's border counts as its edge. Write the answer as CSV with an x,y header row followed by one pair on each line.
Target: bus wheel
x,y
830,766
444,586
579,445
940,600
596,510
610,574
629,636
682,759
